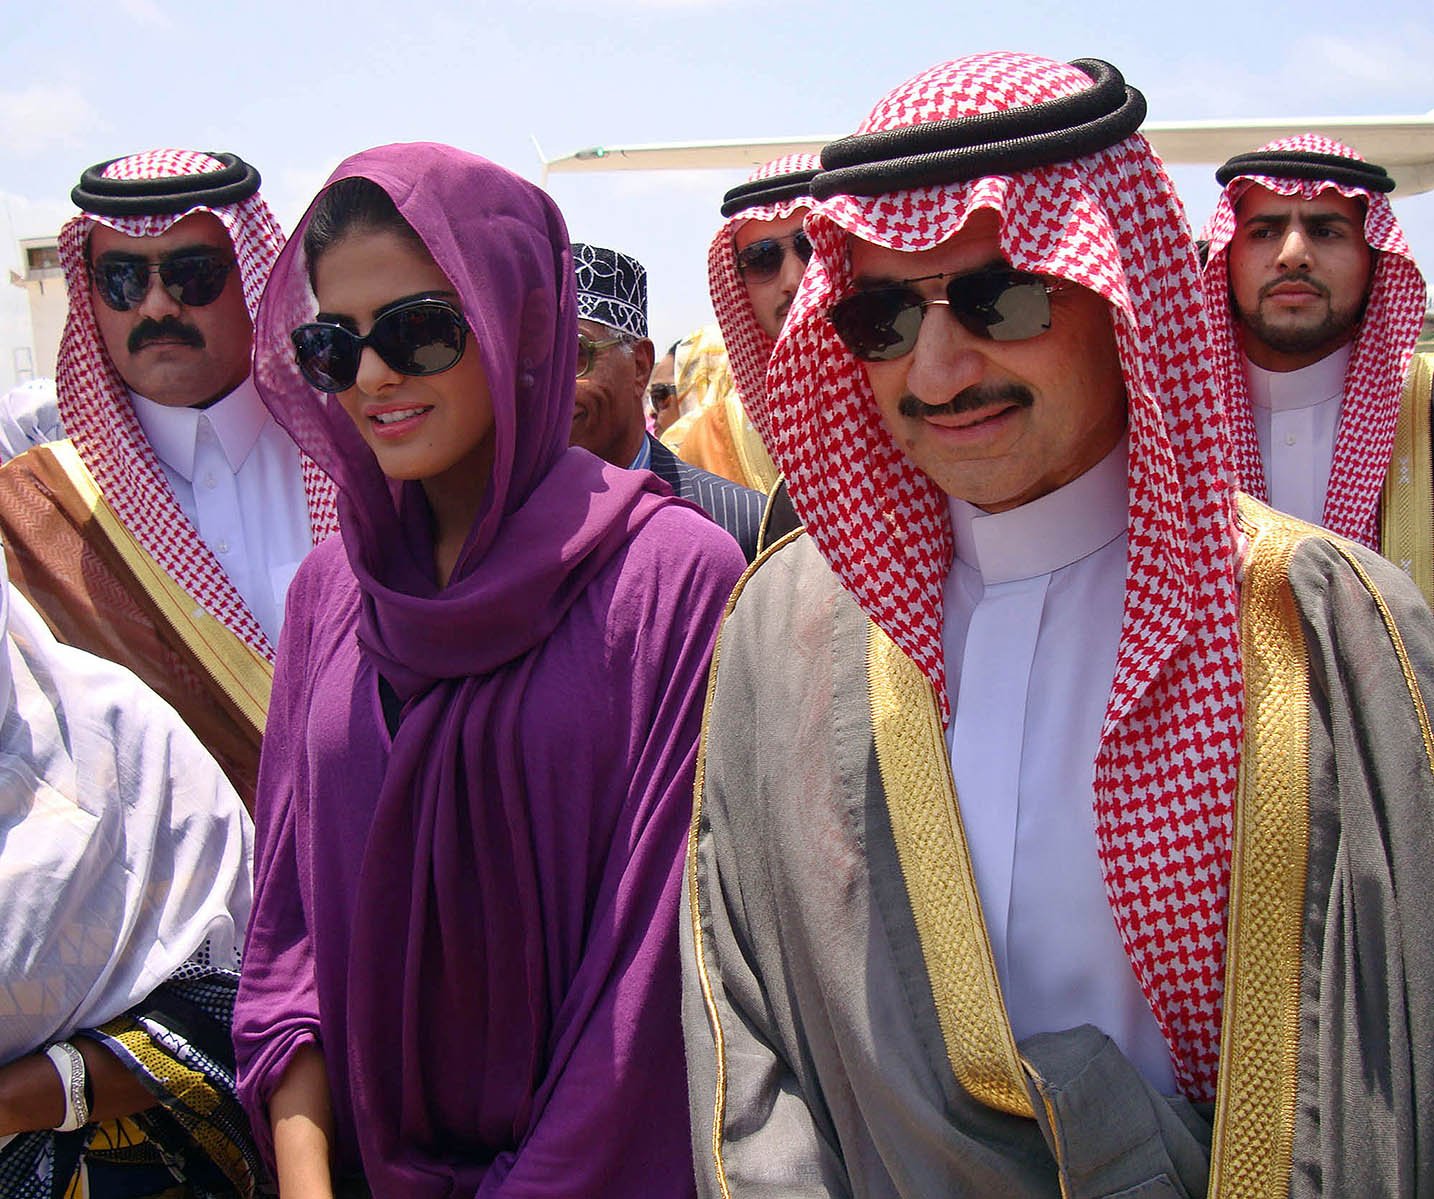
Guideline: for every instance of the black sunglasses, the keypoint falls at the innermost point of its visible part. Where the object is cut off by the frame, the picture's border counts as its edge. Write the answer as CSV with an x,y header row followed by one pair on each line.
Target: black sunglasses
x,y
660,393
998,303
192,277
588,350
419,337
761,262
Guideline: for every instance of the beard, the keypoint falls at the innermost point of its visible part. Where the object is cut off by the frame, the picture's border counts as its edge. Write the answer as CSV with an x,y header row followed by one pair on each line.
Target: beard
x,y
1333,330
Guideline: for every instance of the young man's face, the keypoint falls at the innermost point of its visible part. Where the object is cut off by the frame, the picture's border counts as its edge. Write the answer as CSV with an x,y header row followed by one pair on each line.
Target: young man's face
x,y
997,424
771,292
1299,274
170,352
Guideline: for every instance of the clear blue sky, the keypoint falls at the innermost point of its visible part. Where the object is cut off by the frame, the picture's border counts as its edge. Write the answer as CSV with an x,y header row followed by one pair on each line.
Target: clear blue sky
x,y
295,87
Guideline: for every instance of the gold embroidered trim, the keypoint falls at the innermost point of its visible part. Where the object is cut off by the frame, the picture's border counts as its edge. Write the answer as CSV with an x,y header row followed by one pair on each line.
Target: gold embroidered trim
x,y
1253,1141
1406,509
709,1001
237,669
940,882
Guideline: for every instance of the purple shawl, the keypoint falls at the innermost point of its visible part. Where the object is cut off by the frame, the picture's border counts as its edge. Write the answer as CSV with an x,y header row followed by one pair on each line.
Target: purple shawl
x,y
478,920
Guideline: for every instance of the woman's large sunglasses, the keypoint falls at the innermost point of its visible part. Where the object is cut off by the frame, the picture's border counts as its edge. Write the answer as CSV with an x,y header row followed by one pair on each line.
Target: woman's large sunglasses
x,y
998,303
420,337
192,277
761,261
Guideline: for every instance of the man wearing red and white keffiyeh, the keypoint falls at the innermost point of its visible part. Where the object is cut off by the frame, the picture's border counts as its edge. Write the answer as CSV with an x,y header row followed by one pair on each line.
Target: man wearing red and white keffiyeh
x,y
1315,305
163,533
755,264
158,402
1187,733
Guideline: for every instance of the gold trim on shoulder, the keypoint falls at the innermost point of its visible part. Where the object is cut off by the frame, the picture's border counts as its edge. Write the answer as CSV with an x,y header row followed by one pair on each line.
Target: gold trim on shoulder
x,y
1406,509
1253,1139
940,881
240,671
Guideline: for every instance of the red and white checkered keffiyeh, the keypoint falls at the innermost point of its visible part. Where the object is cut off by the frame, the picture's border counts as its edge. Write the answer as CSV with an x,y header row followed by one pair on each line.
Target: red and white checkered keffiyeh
x,y
1165,772
96,411
1374,380
748,346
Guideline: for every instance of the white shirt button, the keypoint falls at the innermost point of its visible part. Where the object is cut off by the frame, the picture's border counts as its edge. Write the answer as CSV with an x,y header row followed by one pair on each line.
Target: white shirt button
x,y
1290,439
210,482
222,547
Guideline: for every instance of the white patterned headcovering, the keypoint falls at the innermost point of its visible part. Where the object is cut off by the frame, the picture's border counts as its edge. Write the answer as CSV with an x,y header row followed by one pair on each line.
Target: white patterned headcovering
x,y
612,288
1165,772
1374,379
94,401
748,345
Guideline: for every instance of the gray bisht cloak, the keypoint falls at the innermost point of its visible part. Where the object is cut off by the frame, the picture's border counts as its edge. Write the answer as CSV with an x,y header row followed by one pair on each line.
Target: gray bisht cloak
x,y
845,1029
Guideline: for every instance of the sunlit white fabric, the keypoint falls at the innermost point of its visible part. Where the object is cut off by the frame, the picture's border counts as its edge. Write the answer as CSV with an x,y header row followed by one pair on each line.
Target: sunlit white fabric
x,y
1296,420
1033,608
124,851
29,416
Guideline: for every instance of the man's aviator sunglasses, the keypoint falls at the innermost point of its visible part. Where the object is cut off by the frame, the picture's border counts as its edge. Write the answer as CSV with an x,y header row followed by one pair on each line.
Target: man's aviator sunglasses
x,y
761,261
419,337
193,278
998,303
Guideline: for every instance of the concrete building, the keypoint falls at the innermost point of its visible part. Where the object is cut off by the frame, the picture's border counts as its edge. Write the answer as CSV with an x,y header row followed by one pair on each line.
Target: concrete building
x,y
44,282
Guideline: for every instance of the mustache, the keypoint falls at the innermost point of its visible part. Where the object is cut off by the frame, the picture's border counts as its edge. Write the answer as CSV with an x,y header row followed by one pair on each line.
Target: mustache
x,y
171,328
973,398
1295,277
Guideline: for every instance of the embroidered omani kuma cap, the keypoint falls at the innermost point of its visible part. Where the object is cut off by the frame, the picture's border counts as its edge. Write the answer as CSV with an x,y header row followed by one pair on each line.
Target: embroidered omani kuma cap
x,y
612,288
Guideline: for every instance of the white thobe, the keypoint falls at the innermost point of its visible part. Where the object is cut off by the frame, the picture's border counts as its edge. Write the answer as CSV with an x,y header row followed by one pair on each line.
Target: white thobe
x,y
238,477
29,416
1296,419
1033,608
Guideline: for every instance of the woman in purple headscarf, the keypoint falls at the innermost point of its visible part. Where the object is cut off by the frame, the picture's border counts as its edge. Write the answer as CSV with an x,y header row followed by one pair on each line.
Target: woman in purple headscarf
x,y
461,973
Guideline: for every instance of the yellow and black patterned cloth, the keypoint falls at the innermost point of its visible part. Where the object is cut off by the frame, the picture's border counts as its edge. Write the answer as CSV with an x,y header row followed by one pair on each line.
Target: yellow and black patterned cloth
x,y
194,1142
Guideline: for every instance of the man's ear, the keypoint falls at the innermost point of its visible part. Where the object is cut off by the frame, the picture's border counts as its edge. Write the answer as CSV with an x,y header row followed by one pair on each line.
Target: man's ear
x,y
642,361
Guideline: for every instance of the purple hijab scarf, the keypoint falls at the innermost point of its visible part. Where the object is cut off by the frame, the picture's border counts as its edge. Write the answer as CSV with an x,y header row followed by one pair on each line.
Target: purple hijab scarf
x,y
547,522
478,923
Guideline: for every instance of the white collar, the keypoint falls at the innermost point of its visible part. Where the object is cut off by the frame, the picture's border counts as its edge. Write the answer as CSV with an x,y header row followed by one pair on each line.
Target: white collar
x,y
1303,388
237,421
1053,531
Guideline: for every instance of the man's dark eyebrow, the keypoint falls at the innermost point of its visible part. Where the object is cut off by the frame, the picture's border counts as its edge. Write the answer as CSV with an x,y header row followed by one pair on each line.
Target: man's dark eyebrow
x,y
1312,218
872,282
179,252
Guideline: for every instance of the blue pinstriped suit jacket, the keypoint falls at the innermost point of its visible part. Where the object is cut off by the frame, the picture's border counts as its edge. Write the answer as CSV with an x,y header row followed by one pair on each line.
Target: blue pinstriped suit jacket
x,y
736,508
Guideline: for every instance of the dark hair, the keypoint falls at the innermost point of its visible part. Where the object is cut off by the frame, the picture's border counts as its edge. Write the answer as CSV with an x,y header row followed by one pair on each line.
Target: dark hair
x,y
350,204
